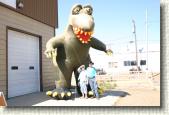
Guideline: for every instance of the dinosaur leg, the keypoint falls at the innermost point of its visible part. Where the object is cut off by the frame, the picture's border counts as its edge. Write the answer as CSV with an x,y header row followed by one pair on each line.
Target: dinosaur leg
x,y
77,82
63,82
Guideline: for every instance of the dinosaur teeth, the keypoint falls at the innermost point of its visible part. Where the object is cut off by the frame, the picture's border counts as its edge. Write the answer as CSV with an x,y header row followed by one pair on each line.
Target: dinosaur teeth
x,y
81,32
78,29
89,33
80,39
83,42
89,40
76,32
74,28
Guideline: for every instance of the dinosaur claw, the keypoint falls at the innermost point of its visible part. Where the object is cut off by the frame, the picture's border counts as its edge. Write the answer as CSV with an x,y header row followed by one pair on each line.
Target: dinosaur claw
x,y
55,94
49,93
109,52
68,94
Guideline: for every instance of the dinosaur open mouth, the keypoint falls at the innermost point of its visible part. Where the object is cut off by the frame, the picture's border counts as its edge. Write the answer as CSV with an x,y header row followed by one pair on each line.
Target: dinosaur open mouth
x,y
82,35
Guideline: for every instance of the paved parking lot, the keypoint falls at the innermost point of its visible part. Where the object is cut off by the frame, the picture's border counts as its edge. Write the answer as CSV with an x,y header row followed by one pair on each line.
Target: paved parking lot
x,y
128,92
40,99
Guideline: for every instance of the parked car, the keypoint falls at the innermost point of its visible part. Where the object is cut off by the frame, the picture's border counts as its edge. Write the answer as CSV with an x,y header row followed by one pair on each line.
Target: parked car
x,y
100,71
135,70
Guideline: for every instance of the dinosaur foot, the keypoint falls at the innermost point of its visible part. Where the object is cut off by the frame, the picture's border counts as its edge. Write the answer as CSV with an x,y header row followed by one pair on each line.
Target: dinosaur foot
x,y
61,94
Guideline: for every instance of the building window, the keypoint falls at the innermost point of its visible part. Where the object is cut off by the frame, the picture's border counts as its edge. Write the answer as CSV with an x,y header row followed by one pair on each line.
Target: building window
x,y
142,62
109,64
127,63
133,63
113,64
9,2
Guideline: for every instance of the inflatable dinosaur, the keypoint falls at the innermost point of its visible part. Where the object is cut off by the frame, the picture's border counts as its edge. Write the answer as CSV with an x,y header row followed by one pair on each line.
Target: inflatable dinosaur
x,y
71,49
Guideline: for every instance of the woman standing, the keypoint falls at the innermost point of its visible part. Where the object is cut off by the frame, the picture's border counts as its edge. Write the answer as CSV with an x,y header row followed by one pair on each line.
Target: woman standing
x,y
83,80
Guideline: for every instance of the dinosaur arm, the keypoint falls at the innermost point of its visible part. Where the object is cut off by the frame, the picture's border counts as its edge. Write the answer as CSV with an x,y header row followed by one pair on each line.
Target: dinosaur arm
x,y
54,42
97,44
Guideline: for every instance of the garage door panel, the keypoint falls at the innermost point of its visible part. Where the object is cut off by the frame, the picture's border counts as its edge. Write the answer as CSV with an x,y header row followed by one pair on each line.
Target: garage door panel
x,y
22,91
23,52
21,83
22,77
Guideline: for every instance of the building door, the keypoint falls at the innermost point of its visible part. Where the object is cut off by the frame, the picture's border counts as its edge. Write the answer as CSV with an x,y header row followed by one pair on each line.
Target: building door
x,y
23,64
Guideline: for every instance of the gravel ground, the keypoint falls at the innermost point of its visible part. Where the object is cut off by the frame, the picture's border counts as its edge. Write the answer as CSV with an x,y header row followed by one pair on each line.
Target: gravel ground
x,y
143,93
140,97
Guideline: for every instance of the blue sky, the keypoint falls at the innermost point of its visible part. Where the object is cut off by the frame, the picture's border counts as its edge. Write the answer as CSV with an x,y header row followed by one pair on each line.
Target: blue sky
x,y
113,18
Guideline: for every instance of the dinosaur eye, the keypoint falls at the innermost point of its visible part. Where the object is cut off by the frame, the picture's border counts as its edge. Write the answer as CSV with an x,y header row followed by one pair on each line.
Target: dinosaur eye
x,y
76,9
88,9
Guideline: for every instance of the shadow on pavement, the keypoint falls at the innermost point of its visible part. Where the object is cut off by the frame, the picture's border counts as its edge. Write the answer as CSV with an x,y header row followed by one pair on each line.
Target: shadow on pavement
x,y
32,99
28,100
114,93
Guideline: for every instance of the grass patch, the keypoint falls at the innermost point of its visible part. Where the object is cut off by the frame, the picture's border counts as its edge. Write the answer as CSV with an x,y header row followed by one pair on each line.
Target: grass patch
x,y
102,86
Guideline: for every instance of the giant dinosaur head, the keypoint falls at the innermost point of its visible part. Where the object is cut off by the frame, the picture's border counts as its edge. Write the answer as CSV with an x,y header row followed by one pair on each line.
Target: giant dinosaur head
x,y
82,22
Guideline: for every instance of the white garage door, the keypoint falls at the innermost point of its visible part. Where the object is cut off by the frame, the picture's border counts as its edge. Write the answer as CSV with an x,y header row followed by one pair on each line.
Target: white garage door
x,y
23,64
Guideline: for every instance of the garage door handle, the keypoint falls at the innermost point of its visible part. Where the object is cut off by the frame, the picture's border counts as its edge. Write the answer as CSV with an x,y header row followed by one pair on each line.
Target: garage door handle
x,y
14,67
31,67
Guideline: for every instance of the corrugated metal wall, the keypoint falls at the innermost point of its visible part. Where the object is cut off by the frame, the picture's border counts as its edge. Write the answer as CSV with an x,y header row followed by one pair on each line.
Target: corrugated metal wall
x,y
45,11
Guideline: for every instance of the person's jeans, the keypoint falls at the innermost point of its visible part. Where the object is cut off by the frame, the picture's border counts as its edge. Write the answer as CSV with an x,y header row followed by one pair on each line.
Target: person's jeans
x,y
93,85
83,88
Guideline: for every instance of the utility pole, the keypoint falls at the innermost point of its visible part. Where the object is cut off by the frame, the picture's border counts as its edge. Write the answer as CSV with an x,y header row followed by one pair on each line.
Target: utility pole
x,y
147,39
134,32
